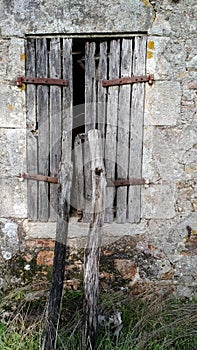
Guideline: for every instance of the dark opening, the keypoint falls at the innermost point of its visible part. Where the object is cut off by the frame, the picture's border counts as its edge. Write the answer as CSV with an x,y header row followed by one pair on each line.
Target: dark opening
x,y
78,87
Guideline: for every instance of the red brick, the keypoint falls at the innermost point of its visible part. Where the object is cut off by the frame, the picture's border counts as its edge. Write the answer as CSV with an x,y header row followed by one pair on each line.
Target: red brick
x,y
40,243
45,257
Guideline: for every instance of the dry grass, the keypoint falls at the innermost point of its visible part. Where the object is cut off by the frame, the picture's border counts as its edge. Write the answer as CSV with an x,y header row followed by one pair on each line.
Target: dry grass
x,y
148,323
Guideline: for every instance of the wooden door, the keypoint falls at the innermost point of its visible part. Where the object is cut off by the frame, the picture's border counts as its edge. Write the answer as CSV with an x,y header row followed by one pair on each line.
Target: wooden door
x,y
49,118
118,112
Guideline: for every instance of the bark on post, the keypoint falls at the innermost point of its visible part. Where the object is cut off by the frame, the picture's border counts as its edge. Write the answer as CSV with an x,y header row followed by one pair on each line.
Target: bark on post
x,y
92,249
55,297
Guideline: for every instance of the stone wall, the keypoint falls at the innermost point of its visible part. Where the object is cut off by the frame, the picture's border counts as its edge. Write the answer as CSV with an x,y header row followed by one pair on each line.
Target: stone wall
x,y
169,202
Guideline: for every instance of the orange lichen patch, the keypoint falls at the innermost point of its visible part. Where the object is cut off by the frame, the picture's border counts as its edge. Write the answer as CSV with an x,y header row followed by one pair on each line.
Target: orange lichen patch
x,y
10,107
23,87
149,54
45,258
146,2
22,57
151,45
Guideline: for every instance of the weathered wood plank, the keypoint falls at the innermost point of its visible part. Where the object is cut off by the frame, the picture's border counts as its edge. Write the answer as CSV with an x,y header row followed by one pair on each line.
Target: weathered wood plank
x,y
55,122
90,121
32,137
43,127
111,131
87,215
123,130
79,174
136,139
67,114
32,167
54,304
90,86
92,249
102,93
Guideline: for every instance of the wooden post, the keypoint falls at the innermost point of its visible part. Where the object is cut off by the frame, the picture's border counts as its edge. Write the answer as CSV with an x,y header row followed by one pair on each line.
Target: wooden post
x,y
55,297
92,249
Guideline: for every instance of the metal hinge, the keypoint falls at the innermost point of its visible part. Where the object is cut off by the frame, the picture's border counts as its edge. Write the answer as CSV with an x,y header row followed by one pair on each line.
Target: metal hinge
x,y
110,183
40,81
129,80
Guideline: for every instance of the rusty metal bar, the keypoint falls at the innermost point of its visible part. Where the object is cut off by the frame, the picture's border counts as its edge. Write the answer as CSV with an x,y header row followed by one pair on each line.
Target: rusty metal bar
x,y
44,178
125,182
129,80
40,81
110,183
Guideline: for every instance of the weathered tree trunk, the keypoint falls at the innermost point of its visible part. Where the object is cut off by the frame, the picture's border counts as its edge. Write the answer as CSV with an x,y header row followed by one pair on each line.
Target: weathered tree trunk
x,y
55,297
92,249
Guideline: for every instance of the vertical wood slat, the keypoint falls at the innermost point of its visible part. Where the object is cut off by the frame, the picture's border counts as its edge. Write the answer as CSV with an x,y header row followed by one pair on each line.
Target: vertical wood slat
x,y
101,99
111,132
32,137
137,115
79,175
55,122
90,121
123,130
87,181
67,102
90,86
43,127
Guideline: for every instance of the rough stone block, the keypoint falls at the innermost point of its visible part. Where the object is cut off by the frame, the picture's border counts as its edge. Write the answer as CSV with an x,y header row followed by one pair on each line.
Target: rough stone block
x,y
157,62
13,198
168,153
16,61
12,151
4,49
158,202
39,230
9,241
76,16
160,26
162,104
12,58
12,102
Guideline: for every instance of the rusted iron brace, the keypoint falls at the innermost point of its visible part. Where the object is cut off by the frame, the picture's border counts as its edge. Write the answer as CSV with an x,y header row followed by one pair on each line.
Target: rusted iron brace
x,y
125,182
36,177
40,81
110,183
129,80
